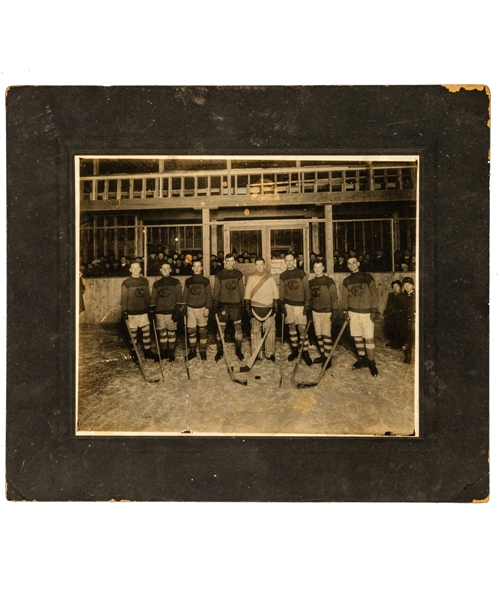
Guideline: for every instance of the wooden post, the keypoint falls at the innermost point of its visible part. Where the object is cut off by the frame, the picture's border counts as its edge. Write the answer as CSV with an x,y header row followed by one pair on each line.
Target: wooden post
x,y
136,236
315,236
213,229
145,246
94,238
371,177
205,218
329,237
115,237
105,237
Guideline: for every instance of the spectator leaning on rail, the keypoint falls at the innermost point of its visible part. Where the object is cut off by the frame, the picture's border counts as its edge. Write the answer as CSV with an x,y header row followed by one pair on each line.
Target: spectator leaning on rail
x,y
197,300
166,304
135,299
360,302
295,300
229,293
261,303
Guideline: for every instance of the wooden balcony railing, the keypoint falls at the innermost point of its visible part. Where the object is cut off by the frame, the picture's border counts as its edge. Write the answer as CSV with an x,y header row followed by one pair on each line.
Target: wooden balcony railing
x,y
244,182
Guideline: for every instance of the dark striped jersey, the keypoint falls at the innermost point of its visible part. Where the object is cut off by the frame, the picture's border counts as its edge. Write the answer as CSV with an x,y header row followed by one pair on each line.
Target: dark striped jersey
x,y
323,294
197,292
359,293
167,292
135,295
294,287
229,287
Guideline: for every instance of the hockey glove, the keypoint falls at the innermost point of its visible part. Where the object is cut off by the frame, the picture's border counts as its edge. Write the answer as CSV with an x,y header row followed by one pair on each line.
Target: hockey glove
x,y
334,317
373,315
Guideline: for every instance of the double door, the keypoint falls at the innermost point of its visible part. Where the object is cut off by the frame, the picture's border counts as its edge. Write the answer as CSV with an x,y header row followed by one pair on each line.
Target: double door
x,y
270,239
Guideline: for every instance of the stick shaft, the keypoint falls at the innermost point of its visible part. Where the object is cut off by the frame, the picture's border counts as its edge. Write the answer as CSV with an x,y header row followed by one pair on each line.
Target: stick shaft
x,y
159,349
186,347
139,359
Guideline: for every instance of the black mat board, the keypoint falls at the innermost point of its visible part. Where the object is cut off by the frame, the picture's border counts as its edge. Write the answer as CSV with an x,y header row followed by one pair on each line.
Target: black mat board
x,y
448,129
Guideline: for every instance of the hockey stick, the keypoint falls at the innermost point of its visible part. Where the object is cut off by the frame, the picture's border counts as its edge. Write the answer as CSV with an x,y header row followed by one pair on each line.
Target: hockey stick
x,y
221,333
159,349
297,361
253,358
306,384
281,372
186,350
282,325
139,359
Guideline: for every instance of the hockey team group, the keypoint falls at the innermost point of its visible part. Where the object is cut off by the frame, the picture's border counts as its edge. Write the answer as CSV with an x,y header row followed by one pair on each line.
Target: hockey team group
x,y
300,301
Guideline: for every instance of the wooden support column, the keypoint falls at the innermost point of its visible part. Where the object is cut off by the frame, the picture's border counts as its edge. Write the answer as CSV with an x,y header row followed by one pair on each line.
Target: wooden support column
x,y
213,232
95,172
205,219
329,237
371,177
315,236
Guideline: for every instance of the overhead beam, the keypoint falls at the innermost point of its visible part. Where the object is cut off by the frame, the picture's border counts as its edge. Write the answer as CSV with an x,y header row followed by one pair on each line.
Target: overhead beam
x,y
215,202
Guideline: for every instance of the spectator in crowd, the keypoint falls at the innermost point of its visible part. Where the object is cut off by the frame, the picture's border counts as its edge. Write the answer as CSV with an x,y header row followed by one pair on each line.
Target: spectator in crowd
x,y
366,263
382,262
392,315
398,259
341,266
408,317
123,268
186,267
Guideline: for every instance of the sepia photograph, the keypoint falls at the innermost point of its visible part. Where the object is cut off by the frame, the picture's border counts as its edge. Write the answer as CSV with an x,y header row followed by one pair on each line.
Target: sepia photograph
x,y
247,295
251,293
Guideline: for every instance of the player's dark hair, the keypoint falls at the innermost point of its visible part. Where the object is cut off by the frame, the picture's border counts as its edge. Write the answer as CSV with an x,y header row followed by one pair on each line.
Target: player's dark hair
x,y
260,258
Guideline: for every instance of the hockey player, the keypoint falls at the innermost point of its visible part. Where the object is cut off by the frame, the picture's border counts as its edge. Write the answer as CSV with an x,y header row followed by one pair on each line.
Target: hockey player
x,y
197,299
166,306
295,298
360,300
135,299
261,303
325,310
229,293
